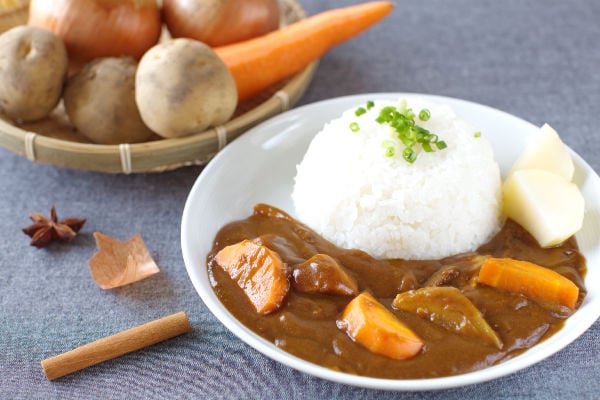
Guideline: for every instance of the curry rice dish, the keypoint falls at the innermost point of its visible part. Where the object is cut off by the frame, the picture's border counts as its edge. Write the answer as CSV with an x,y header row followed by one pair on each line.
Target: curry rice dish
x,y
403,265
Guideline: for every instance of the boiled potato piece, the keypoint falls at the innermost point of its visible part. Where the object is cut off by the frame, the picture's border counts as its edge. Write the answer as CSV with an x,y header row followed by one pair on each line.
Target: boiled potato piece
x,y
33,67
369,323
183,87
100,102
546,204
546,152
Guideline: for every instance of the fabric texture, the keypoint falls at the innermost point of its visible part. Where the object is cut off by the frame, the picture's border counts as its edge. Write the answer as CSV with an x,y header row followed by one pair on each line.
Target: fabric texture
x,y
535,59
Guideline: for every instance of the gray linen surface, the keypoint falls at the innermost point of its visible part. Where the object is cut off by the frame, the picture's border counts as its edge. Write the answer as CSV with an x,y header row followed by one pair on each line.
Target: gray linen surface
x,y
538,60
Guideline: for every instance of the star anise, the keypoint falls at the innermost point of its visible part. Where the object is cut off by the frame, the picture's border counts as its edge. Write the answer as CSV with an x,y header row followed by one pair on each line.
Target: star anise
x,y
43,231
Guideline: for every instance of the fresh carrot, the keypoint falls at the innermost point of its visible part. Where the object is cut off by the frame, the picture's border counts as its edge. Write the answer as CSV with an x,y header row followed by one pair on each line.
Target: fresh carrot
x,y
258,271
531,280
261,62
369,323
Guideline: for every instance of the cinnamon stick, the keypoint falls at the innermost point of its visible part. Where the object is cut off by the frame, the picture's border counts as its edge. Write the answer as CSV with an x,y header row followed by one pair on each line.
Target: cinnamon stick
x,y
116,345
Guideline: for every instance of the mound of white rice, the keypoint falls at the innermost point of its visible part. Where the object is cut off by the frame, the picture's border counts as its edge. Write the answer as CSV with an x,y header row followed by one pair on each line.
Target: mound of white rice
x,y
446,202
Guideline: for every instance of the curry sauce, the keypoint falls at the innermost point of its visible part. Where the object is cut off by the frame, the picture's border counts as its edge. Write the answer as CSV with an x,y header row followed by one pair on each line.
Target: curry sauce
x,y
305,324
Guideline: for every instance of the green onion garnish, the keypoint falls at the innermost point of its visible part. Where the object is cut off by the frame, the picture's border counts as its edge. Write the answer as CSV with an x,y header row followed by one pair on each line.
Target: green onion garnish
x,y
402,120
389,147
477,134
360,111
402,107
354,127
409,155
427,147
370,104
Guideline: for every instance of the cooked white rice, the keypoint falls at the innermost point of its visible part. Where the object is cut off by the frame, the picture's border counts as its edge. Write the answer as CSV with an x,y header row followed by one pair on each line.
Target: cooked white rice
x,y
446,202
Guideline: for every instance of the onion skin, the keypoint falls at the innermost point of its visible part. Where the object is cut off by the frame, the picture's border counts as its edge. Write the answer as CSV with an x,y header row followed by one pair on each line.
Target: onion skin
x,y
99,28
220,22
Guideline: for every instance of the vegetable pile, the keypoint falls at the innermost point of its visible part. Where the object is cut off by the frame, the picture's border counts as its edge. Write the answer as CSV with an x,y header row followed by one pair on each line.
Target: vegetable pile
x,y
219,53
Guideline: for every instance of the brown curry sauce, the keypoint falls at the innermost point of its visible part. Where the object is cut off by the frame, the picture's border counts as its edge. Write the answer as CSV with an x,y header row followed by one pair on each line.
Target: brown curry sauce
x,y
305,325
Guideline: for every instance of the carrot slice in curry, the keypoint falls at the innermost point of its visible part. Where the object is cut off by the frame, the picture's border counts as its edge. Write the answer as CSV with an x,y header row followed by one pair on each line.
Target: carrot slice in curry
x,y
370,324
259,271
529,279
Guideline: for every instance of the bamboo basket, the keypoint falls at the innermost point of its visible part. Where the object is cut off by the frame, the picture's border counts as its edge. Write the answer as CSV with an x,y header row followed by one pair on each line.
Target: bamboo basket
x,y
55,141
13,13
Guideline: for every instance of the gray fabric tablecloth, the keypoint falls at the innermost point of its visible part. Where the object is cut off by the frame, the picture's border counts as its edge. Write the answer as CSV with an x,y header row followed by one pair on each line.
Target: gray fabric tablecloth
x,y
538,60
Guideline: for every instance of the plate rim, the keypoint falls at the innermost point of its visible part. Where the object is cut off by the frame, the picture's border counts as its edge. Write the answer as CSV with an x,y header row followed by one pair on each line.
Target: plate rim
x,y
425,384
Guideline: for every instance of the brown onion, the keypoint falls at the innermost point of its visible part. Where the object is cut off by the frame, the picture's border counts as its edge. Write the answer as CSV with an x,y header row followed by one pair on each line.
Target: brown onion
x,y
220,22
99,28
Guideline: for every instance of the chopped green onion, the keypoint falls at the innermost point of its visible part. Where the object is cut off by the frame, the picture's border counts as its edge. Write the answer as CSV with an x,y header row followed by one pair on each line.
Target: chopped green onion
x,y
389,147
411,135
477,134
402,108
424,115
386,114
409,155
441,145
400,126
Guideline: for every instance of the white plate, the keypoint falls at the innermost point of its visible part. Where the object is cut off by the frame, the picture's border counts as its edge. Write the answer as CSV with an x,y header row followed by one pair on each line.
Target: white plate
x,y
259,167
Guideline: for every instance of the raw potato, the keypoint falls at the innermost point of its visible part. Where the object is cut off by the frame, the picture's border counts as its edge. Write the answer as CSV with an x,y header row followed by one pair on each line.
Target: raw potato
x,y
538,192
100,102
183,87
33,68
544,203
547,152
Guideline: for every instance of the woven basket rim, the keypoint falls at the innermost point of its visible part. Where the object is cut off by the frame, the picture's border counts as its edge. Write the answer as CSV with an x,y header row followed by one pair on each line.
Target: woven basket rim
x,y
158,155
